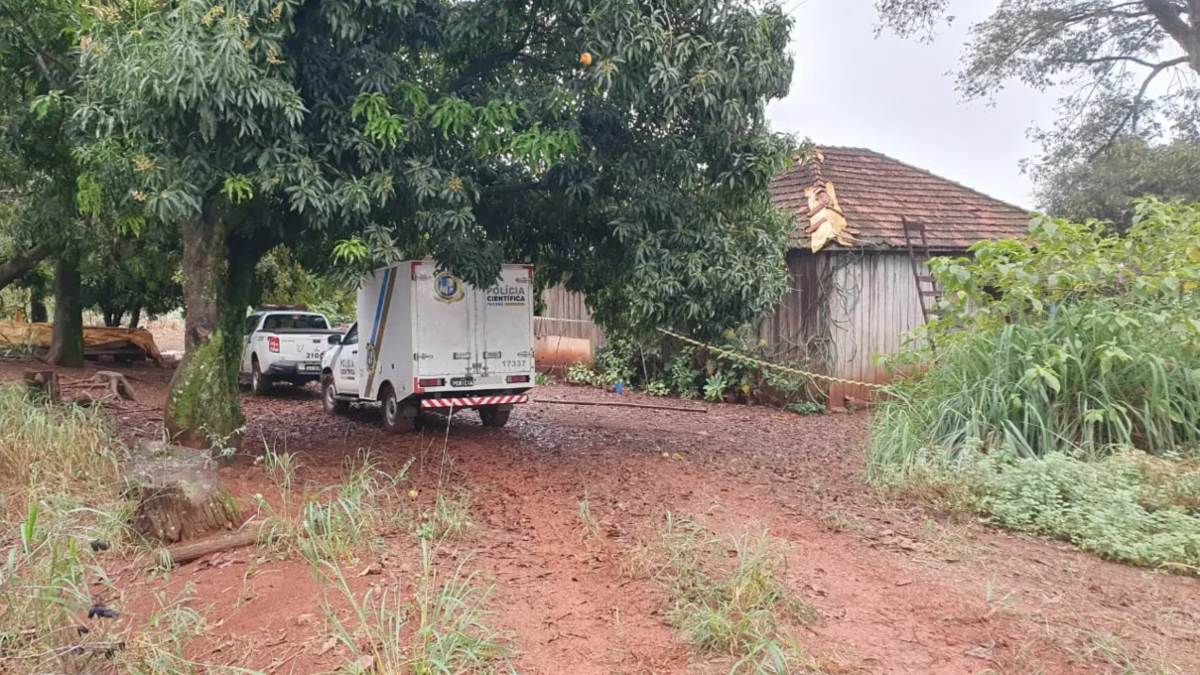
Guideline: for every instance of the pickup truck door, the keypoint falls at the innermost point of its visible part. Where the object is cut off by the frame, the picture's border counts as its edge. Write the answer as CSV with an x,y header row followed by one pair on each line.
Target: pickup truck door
x,y
345,364
252,322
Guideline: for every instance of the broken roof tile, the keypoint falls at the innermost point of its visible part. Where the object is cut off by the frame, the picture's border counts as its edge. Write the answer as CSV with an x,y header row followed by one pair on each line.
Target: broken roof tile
x,y
875,191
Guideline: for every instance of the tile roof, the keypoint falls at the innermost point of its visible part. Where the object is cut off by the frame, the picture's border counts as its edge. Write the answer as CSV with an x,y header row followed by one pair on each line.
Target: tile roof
x,y
874,191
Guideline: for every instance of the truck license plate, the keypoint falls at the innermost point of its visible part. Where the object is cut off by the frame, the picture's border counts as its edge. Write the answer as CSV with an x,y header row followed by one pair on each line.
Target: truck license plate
x,y
310,367
462,381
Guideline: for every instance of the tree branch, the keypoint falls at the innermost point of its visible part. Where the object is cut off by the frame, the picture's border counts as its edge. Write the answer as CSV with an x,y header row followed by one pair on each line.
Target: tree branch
x,y
1133,116
1170,17
1107,59
486,63
16,267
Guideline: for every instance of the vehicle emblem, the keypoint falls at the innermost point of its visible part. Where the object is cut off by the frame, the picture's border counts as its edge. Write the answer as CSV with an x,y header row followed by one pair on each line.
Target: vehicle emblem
x,y
448,287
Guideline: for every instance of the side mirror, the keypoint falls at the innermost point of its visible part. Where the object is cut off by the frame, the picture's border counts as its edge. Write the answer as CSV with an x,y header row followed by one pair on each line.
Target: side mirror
x,y
335,339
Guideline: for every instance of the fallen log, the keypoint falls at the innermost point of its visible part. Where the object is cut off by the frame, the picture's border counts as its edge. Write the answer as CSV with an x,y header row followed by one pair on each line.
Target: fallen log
x,y
183,553
616,404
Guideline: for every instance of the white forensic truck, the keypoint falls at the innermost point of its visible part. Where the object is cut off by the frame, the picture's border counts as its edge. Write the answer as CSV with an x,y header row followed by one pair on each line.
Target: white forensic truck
x,y
427,340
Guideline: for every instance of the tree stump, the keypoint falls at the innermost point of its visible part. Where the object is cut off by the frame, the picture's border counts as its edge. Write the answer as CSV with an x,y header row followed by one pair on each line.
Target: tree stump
x,y
177,492
43,385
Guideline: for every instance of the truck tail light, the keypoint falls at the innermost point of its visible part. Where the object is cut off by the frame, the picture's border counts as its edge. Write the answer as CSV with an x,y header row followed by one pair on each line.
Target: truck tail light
x,y
511,379
273,344
431,382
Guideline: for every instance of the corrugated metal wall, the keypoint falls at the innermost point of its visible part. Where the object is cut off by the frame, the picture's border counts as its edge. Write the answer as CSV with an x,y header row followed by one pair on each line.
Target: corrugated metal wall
x,y
565,313
873,308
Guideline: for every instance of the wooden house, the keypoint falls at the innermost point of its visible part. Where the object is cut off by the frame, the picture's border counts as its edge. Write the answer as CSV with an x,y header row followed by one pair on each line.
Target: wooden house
x,y
857,288
865,225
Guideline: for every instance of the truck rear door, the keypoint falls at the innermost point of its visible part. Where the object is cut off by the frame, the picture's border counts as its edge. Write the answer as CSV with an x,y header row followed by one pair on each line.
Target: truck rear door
x,y
444,339
504,324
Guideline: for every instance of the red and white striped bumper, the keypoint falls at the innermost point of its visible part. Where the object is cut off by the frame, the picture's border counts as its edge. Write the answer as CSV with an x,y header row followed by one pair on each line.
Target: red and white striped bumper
x,y
473,401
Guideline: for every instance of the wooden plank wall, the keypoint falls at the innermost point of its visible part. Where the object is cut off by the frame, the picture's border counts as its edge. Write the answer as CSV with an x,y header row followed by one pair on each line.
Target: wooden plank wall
x,y
797,332
841,310
566,314
873,309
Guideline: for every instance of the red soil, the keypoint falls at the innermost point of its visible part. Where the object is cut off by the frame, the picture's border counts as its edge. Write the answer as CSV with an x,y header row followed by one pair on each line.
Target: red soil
x,y
896,587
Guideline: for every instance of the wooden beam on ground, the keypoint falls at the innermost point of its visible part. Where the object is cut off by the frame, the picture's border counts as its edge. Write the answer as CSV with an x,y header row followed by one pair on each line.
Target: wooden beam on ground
x,y
617,404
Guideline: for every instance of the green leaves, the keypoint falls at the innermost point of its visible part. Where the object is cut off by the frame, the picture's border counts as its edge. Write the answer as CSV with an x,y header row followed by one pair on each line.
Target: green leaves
x,y
383,127
350,251
1078,341
452,116
87,194
238,189
542,149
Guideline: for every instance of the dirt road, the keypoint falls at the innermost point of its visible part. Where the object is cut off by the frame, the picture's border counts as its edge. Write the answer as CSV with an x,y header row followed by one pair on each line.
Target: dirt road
x,y
896,588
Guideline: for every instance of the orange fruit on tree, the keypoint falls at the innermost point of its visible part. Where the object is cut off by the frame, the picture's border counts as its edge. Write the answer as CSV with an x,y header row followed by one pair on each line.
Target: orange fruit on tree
x,y
586,59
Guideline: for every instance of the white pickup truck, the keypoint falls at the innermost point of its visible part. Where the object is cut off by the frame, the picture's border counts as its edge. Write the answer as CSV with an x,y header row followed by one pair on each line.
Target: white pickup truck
x,y
284,345
427,340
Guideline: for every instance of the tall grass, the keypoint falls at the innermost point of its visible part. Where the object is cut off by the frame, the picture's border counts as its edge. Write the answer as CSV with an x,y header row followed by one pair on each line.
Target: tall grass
x,y
66,450
335,522
1087,381
59,474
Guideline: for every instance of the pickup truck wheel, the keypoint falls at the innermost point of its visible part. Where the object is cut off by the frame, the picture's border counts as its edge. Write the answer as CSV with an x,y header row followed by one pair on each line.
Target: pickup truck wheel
x,y
333,404
394,419
491,416
259,384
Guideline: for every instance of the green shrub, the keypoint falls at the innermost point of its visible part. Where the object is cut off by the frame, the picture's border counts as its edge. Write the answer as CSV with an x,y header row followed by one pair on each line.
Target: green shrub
x,y
658,388
1122,507
805,408
715,386
1057,359
682,375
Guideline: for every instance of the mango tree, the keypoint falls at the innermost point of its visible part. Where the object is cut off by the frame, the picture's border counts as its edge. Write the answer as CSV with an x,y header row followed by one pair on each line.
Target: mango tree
x,y
620,146
38,173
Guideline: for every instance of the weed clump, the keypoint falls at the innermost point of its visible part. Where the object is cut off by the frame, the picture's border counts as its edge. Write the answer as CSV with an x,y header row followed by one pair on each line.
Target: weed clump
x,y
728,599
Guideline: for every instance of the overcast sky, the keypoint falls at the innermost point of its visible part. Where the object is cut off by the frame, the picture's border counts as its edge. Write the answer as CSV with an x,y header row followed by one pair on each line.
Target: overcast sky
x,y
898,97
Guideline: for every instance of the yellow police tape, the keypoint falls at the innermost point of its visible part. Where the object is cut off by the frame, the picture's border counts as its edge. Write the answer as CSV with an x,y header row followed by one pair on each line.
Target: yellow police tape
x,y
735,356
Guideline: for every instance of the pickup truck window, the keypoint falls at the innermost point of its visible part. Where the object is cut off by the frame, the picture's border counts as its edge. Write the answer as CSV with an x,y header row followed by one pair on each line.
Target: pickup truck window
x,y
252,323
295,322
351,337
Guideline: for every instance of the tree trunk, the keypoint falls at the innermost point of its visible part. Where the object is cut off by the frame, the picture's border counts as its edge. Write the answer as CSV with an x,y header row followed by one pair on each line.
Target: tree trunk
x,y
37,305
112,317
16,267
203,407
135,317
66,344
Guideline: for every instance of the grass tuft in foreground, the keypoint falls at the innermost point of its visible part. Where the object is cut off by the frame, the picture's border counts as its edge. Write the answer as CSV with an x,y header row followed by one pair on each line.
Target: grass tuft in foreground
x,y
336,522
442,629
59,467
728,598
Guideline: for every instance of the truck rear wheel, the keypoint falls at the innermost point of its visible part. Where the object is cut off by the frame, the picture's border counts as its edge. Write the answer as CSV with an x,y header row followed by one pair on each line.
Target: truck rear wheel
x,y
493,416
259,384
333,404
395,418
